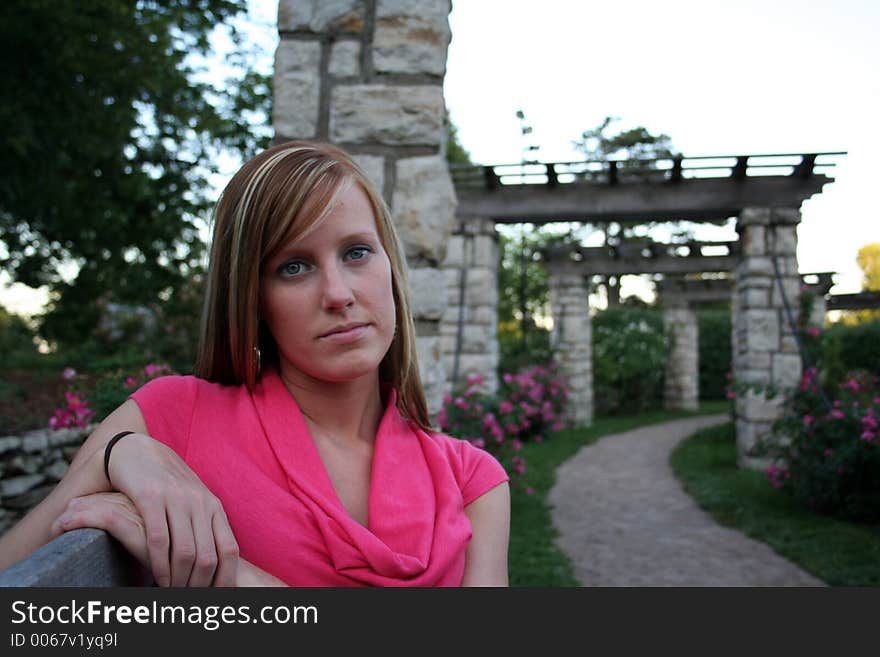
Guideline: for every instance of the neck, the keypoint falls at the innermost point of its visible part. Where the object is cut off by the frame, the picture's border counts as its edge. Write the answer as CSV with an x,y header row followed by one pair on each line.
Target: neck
x,y
346,412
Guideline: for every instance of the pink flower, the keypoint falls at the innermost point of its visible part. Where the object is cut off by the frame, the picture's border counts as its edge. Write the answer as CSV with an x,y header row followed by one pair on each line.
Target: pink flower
x,y
828,452
442,419
516,445
557,426
730,394
479,442
475,380
447,398
154,369
852,384
512,429
130,383
869,422
539,438
837,414
68,373
505,408
813,331
530,491
519,465
462,404
808,420
868,436
507,378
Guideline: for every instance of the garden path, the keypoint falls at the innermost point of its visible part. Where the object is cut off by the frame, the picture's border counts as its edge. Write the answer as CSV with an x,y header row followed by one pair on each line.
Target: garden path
x,y
624,520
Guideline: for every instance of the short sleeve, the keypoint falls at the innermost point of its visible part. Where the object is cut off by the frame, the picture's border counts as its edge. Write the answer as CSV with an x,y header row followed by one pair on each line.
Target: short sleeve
x,y
167,404
479,471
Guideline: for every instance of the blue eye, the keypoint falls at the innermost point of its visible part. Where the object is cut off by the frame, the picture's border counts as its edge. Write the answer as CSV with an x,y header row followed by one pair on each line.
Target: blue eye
x,y
292,268
358,253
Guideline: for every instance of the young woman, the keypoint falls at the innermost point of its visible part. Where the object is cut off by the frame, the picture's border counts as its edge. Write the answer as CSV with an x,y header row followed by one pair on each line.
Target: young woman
x,y
301,452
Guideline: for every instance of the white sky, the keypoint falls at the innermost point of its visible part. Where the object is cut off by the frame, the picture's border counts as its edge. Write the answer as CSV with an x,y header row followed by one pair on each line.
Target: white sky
x,y
744,76
751,76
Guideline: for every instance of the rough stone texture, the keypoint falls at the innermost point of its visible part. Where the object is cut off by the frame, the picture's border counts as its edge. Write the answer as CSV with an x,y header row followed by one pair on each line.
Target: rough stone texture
x,y
427,293
682,364
321,15
389,115
423,206
624,520
411,37
764,352
345,59
474,250
572,334
297,89
374,168
433,371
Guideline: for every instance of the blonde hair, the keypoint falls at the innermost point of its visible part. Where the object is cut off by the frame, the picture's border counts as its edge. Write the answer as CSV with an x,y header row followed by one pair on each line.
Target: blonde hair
x,y
277,197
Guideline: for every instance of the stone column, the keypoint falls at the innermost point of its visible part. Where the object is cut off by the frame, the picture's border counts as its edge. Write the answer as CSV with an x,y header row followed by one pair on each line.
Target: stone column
x,y
764,349
682,365
573,338
367,75
470,322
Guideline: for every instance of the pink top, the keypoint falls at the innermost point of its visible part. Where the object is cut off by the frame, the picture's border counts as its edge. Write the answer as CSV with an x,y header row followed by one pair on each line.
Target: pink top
x,y
254,452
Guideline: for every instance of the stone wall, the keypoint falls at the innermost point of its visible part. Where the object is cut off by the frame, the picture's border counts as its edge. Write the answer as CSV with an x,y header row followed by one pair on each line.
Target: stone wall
x,y
31,465
470,321
682,363
765,353
367,75
573,337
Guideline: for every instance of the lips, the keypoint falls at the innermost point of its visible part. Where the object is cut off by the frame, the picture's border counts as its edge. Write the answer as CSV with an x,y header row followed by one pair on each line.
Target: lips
x,y
345,333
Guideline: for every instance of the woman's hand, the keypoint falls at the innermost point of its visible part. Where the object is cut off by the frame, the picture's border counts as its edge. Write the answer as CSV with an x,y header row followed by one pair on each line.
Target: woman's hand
x,y
112,512
188,538
116,514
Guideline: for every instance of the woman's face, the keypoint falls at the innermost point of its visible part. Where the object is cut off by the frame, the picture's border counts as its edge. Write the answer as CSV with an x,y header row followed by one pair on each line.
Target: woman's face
x,y
327,299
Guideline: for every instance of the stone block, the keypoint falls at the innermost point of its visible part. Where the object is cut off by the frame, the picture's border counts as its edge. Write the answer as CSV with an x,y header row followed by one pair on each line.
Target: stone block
x,y
454,251
752,216
427,293
423,205
297,89
761,329
411,37
753,266
9,443
785,216
475,339
373,167
792,289
783,240
345,59
389,115
753,241
754,297
14,486
432,370
786,370
485,252
755,407
57,469
321,15
35,441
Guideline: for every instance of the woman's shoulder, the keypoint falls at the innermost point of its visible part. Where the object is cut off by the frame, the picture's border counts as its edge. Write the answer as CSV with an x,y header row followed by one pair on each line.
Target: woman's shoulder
x,y
476,469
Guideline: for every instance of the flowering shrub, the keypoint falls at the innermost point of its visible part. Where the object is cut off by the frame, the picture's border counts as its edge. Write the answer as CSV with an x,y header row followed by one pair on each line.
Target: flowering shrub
x,y
104,394
529,405
829,457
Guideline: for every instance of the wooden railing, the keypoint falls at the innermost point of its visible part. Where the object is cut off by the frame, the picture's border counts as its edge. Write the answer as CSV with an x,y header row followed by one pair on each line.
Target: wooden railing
x,y
670,169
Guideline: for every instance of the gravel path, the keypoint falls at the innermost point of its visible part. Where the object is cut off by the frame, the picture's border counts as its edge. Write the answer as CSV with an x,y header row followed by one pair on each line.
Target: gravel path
x,y
624,520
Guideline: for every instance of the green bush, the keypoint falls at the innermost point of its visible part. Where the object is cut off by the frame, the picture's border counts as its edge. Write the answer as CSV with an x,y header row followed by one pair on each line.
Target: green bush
x,y
16,340
827,447
630,348
846,348
715,352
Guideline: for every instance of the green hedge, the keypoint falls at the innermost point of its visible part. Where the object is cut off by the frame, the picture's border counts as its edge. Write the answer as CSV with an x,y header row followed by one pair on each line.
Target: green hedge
x,y
715,352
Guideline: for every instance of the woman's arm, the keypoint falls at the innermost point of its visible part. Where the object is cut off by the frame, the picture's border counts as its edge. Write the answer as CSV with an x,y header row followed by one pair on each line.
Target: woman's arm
x,y
189,541
486,558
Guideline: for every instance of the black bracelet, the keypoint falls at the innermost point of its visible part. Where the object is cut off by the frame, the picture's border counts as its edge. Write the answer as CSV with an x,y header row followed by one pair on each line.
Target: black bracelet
x,y
113,441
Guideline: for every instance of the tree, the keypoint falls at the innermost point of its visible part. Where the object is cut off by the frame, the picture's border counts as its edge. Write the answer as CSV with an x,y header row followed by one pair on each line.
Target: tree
x,y
633,148
869,261
455,152
110,135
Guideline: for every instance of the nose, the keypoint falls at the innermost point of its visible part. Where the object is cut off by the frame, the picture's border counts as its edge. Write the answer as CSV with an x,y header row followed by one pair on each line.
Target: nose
x,y
336,292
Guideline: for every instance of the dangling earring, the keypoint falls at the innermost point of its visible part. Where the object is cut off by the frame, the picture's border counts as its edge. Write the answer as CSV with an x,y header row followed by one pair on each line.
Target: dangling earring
x,y
258,361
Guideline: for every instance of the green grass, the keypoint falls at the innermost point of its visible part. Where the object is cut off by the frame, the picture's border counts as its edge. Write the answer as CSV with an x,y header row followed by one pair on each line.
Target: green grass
x,y
534,558
839,553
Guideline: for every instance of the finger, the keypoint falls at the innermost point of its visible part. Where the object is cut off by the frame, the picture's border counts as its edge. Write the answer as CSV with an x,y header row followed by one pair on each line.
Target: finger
x,y
206,553
227,550
158,541
183,546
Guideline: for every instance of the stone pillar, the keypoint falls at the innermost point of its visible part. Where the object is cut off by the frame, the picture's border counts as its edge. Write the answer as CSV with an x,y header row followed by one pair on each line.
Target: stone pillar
x,y
470,322
573,338
682,365
764,349
367,75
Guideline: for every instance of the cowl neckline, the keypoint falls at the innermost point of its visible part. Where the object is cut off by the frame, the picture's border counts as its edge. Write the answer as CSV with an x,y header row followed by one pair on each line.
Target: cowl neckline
x,y
397,540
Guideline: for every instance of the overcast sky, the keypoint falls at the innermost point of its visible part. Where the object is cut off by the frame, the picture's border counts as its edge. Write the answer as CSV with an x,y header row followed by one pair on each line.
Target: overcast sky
x,y
744,76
